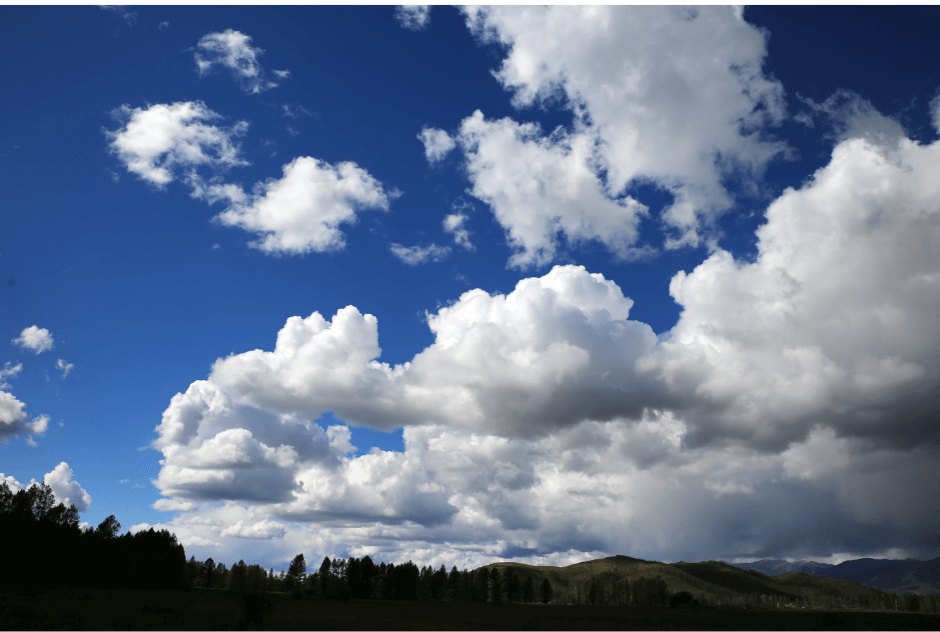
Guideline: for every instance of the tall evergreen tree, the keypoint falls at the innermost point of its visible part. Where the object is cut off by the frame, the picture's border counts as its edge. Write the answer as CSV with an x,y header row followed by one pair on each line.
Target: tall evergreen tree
x,y
209,569
496,588
528,591
546,593
511,582
295,574
325,575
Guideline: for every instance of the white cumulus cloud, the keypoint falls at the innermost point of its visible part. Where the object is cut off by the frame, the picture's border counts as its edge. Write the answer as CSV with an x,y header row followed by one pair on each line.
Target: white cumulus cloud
x,y
541,188
661,94
437,144
233,50
791,401
14,421
164,142
66,490
833,322
35,339
302,211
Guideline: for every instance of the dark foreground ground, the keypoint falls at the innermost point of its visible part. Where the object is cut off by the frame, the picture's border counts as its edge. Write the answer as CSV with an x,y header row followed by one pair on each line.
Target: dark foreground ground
x,y
92,609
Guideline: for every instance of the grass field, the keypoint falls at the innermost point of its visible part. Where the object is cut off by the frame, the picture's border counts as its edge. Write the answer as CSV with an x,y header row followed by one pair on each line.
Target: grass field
x,y
98,609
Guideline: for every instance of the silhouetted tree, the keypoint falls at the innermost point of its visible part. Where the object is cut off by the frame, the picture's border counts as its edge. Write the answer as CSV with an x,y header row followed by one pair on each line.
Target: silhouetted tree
x,y
593,591
239,579
354,577
402,581
528,591
511,582
496,588
367,572
324,573
208,568
109,528
546,593
453,584
256,581
296,572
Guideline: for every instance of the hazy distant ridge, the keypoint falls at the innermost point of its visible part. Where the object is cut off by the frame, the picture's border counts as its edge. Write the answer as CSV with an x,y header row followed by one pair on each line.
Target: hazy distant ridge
x,y
782,567
900,576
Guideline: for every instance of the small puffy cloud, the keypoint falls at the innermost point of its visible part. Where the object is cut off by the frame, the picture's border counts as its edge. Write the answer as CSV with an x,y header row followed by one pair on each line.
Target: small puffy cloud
x,y
167,141
414,17
64,366
415,255
35,339
437,143
302,212
455,224
39,425
233,50
66,490
261,530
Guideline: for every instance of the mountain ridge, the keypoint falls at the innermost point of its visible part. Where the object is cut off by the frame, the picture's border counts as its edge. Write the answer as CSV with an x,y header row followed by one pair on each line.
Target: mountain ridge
x,y
907,576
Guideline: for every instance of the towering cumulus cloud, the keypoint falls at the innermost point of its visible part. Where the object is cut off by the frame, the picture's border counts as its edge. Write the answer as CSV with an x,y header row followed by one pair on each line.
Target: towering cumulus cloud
x,y
795,389
663,95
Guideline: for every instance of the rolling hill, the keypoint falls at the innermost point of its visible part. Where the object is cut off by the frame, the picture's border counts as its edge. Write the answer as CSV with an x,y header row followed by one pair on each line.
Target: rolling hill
x,y
622,580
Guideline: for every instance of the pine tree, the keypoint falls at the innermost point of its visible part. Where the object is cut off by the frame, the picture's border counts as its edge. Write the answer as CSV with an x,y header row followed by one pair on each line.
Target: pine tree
x,y
109,528
546,593
496,588
528,591
325,575
295,574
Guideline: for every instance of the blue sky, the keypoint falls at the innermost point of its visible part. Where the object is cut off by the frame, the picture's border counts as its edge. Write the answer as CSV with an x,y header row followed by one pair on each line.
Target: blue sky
x,y
545,284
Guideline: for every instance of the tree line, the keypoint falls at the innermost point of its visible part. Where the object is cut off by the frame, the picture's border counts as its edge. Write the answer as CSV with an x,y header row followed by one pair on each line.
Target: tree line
x,y
56,552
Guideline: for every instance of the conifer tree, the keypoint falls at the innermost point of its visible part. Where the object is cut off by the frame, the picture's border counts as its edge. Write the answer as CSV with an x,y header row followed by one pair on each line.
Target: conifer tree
x,y
546,593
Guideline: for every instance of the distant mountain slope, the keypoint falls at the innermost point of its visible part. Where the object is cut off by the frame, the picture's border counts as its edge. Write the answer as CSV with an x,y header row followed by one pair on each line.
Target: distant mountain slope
x,y
898,576
710,583
780,567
